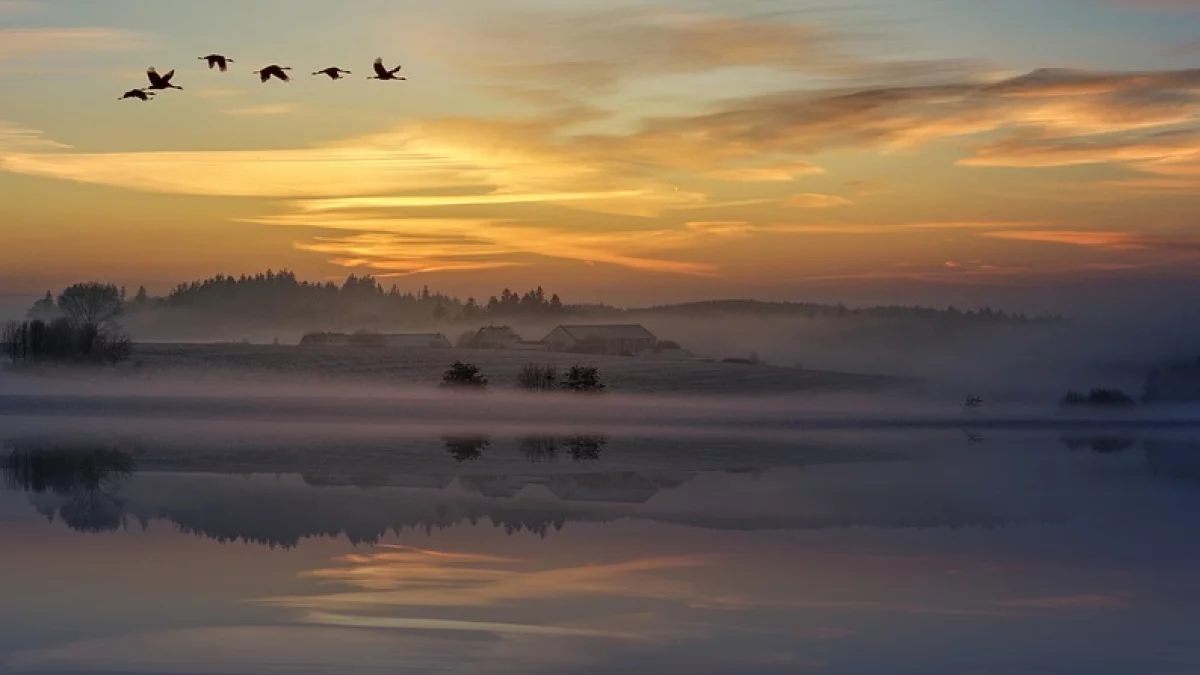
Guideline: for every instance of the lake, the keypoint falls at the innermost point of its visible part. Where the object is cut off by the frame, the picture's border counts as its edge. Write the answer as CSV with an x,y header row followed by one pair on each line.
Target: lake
x,y
131,549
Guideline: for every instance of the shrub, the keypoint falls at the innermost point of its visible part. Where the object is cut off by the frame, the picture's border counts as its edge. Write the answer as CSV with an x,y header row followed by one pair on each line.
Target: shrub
x,y
534,377
463,376
64,341
583,379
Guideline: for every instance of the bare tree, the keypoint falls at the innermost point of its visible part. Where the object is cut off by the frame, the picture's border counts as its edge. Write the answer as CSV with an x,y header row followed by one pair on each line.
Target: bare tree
x,y
91,304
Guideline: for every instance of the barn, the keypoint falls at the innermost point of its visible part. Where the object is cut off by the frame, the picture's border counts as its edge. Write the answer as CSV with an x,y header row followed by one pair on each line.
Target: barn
x,y
325,340
494,337
417,341
616,340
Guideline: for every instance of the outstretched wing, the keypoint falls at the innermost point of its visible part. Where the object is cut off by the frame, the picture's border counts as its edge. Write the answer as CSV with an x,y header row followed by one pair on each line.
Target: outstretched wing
x,y
282,74
379,69
223,65
167,78
155,78
395,70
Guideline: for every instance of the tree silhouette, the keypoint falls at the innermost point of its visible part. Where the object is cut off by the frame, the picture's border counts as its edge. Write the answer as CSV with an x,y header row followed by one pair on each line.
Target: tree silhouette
x,y
90,305
583,379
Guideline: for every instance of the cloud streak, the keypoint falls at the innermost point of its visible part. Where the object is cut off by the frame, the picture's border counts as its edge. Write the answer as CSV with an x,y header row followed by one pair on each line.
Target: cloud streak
x,y
23,43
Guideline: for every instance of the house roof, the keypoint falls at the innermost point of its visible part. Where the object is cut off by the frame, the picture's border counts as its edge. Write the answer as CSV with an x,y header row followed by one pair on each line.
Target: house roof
x,y
618,332
497,330
414,336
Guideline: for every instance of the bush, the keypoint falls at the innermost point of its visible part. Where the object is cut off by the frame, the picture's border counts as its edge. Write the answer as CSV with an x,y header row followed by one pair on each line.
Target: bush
x,y
1104,397
583,379
463,376
534,377
64,341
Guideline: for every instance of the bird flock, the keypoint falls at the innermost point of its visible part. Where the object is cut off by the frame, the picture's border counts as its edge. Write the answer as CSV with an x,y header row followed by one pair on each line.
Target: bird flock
x,y
162,81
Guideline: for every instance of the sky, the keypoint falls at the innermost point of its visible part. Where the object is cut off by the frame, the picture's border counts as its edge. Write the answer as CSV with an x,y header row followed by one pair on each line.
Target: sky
x,y
630,151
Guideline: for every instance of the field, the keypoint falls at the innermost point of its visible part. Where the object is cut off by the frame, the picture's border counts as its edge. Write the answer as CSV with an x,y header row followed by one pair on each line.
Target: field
x,y
425,366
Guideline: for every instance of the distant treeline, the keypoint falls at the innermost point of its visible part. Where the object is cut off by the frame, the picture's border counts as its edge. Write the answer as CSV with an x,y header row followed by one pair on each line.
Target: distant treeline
x,y
815,310
362,301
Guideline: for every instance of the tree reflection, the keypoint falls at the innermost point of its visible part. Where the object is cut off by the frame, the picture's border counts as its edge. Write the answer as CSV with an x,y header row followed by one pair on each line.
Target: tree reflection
x,y
87,477
580,447
1103,445
586,448
539,448
466,448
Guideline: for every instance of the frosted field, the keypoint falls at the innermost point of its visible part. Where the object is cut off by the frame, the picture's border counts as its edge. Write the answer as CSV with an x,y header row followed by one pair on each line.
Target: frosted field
x,y
425,366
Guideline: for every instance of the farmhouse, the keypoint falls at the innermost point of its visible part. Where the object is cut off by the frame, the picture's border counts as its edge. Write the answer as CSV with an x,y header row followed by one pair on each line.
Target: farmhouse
x,y
618,340
495,337
325,340
417,341
368,339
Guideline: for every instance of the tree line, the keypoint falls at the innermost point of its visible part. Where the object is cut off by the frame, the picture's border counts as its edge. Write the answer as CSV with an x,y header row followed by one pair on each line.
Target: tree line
x,y
363,301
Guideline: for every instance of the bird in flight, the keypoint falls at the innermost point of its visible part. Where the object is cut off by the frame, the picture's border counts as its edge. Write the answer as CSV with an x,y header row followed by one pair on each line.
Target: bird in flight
x,y
217,61
333,73
161,81
382,73
273,71
138,94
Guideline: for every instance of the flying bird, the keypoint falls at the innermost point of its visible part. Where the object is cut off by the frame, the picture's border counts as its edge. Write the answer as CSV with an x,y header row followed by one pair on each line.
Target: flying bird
x,y
382,73
333,73
217,61
273,71
138,94
161,81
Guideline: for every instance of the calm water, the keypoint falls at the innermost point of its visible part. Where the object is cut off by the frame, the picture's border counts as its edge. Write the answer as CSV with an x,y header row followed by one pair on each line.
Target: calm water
x,y
938,553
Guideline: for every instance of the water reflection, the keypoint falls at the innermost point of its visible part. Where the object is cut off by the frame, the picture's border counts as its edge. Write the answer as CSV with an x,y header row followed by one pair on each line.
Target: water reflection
x,y
466,448
80,484
897,555
1101,445
580,447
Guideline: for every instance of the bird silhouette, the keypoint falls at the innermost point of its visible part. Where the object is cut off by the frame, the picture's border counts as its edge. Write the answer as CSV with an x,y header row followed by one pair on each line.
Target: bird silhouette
x,y
138,94
160,81
273,71
382,73
333,73
217,61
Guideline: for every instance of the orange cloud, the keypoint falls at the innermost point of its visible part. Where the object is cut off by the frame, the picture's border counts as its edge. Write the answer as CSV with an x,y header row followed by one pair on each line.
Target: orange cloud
x,y
817,201
766,173
411,245
1110,240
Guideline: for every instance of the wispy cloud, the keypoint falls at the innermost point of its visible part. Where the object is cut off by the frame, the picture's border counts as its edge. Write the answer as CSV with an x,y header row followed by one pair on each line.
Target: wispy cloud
x,y
15,6
1070,602
264,110
411,245
18,43
16,138
767,173
1109,240
814,200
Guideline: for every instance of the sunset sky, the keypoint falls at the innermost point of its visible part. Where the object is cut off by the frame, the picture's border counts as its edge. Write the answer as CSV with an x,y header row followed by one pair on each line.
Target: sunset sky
x,y
628,151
